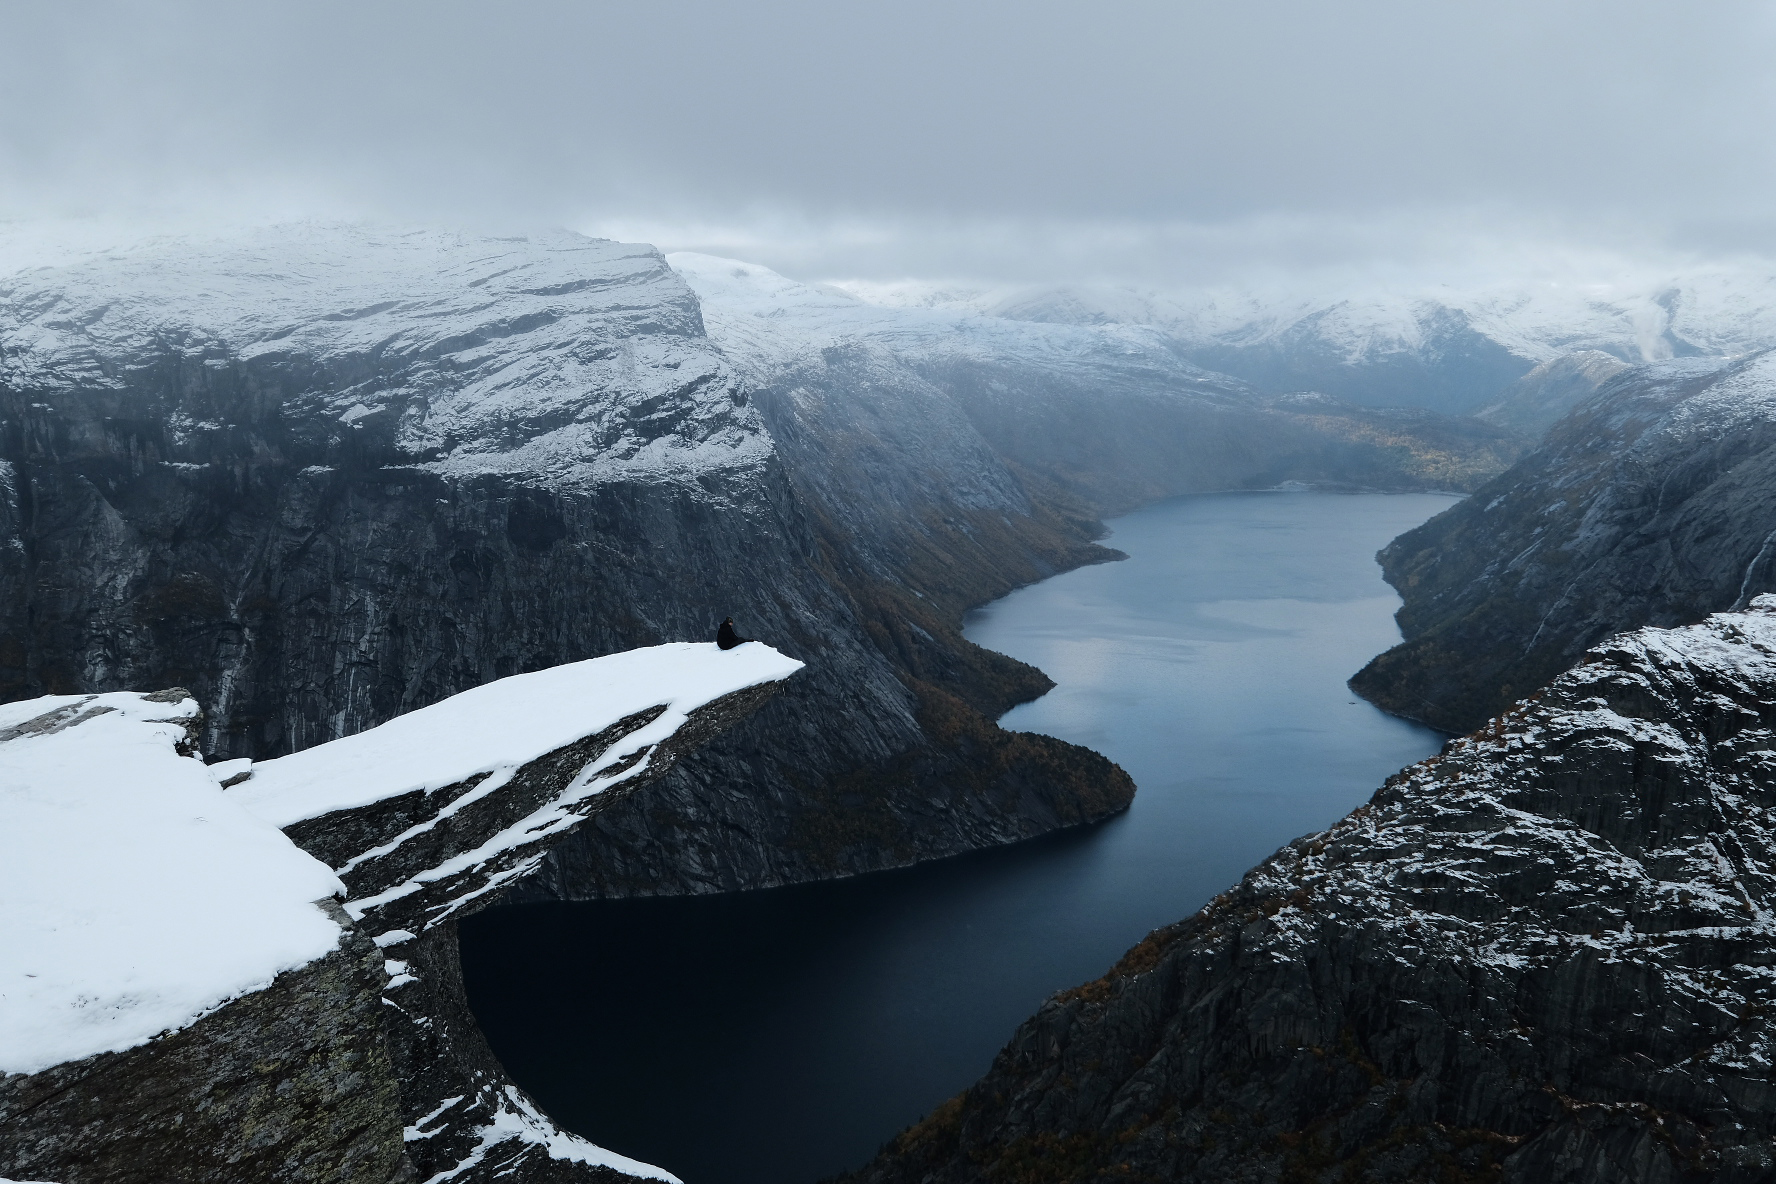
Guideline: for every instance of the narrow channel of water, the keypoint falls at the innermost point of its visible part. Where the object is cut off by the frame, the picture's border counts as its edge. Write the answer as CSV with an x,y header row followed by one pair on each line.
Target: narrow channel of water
x,y
777,1037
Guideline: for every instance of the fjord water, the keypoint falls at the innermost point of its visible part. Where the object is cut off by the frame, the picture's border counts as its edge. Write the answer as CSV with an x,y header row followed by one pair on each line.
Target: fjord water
x,y
778,1037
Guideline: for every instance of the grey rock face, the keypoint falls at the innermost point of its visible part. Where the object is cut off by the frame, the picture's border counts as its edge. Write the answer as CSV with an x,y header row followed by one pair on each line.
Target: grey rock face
x,y
463,1114
1541,398
1543,955
1652,503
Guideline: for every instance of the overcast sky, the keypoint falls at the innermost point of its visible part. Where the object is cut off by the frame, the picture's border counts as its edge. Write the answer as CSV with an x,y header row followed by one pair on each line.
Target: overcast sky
x,y
1154,142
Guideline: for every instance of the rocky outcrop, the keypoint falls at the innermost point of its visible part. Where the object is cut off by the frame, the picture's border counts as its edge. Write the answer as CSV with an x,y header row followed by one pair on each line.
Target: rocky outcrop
x,y
1542,956
359,1059
1652,503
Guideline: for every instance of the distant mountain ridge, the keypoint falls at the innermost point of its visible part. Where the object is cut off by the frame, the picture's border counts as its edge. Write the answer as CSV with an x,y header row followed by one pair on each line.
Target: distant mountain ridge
x,y
1444,348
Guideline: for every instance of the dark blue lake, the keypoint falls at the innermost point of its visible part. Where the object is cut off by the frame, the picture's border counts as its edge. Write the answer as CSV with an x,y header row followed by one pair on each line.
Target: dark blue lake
x,y
778,1037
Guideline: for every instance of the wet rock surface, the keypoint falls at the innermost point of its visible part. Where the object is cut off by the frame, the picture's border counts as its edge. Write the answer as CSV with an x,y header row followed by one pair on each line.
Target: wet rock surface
x,y
1651,504
1547,954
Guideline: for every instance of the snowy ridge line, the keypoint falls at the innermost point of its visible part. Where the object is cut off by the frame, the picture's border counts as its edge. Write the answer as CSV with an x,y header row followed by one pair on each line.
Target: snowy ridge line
x,y
1720,311
765,321
437,810
483,785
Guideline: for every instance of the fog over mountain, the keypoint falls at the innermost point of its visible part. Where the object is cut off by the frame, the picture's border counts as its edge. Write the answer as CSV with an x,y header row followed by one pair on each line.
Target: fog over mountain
x,y
1376,144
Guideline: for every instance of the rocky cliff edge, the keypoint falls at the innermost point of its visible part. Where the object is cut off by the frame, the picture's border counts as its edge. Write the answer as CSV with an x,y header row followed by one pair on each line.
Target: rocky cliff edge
x,y
249,972
1546,954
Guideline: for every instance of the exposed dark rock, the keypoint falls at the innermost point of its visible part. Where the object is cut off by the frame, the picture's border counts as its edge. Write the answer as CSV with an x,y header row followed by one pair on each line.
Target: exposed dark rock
x,y
1653,503
463,1112
1543,956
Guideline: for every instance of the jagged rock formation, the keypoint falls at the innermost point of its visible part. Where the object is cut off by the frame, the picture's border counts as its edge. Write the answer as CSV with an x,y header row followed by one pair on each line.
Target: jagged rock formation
x,y
171,1019
1652,503
1541,398
1542,956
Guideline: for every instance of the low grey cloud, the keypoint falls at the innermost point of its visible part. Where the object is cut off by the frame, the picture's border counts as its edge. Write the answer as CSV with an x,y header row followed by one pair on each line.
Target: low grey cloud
x,y
1027,141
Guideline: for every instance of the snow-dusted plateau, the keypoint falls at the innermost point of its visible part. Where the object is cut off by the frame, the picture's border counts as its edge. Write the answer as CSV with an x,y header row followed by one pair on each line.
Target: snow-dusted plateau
x,y
431,530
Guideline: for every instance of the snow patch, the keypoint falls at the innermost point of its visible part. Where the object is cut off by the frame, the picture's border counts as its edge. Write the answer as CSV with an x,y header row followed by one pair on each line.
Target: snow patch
x,y
139,896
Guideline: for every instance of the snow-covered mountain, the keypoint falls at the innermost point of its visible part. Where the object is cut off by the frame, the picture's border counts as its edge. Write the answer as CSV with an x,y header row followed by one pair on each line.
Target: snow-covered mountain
x,y
553,355
323,475
1115,412
1440,346
763,321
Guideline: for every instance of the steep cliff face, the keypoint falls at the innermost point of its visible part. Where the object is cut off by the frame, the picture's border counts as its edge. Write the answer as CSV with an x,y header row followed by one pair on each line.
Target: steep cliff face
x,y
1652,503
326,475
1543,955
195,994
323,475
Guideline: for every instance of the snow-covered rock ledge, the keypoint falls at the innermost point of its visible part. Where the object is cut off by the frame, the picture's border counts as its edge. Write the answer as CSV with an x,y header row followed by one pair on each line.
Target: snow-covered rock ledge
x,y
260,982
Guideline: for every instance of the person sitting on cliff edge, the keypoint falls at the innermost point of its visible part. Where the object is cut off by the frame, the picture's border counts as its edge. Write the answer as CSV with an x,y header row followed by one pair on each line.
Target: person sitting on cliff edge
x,y
727,637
